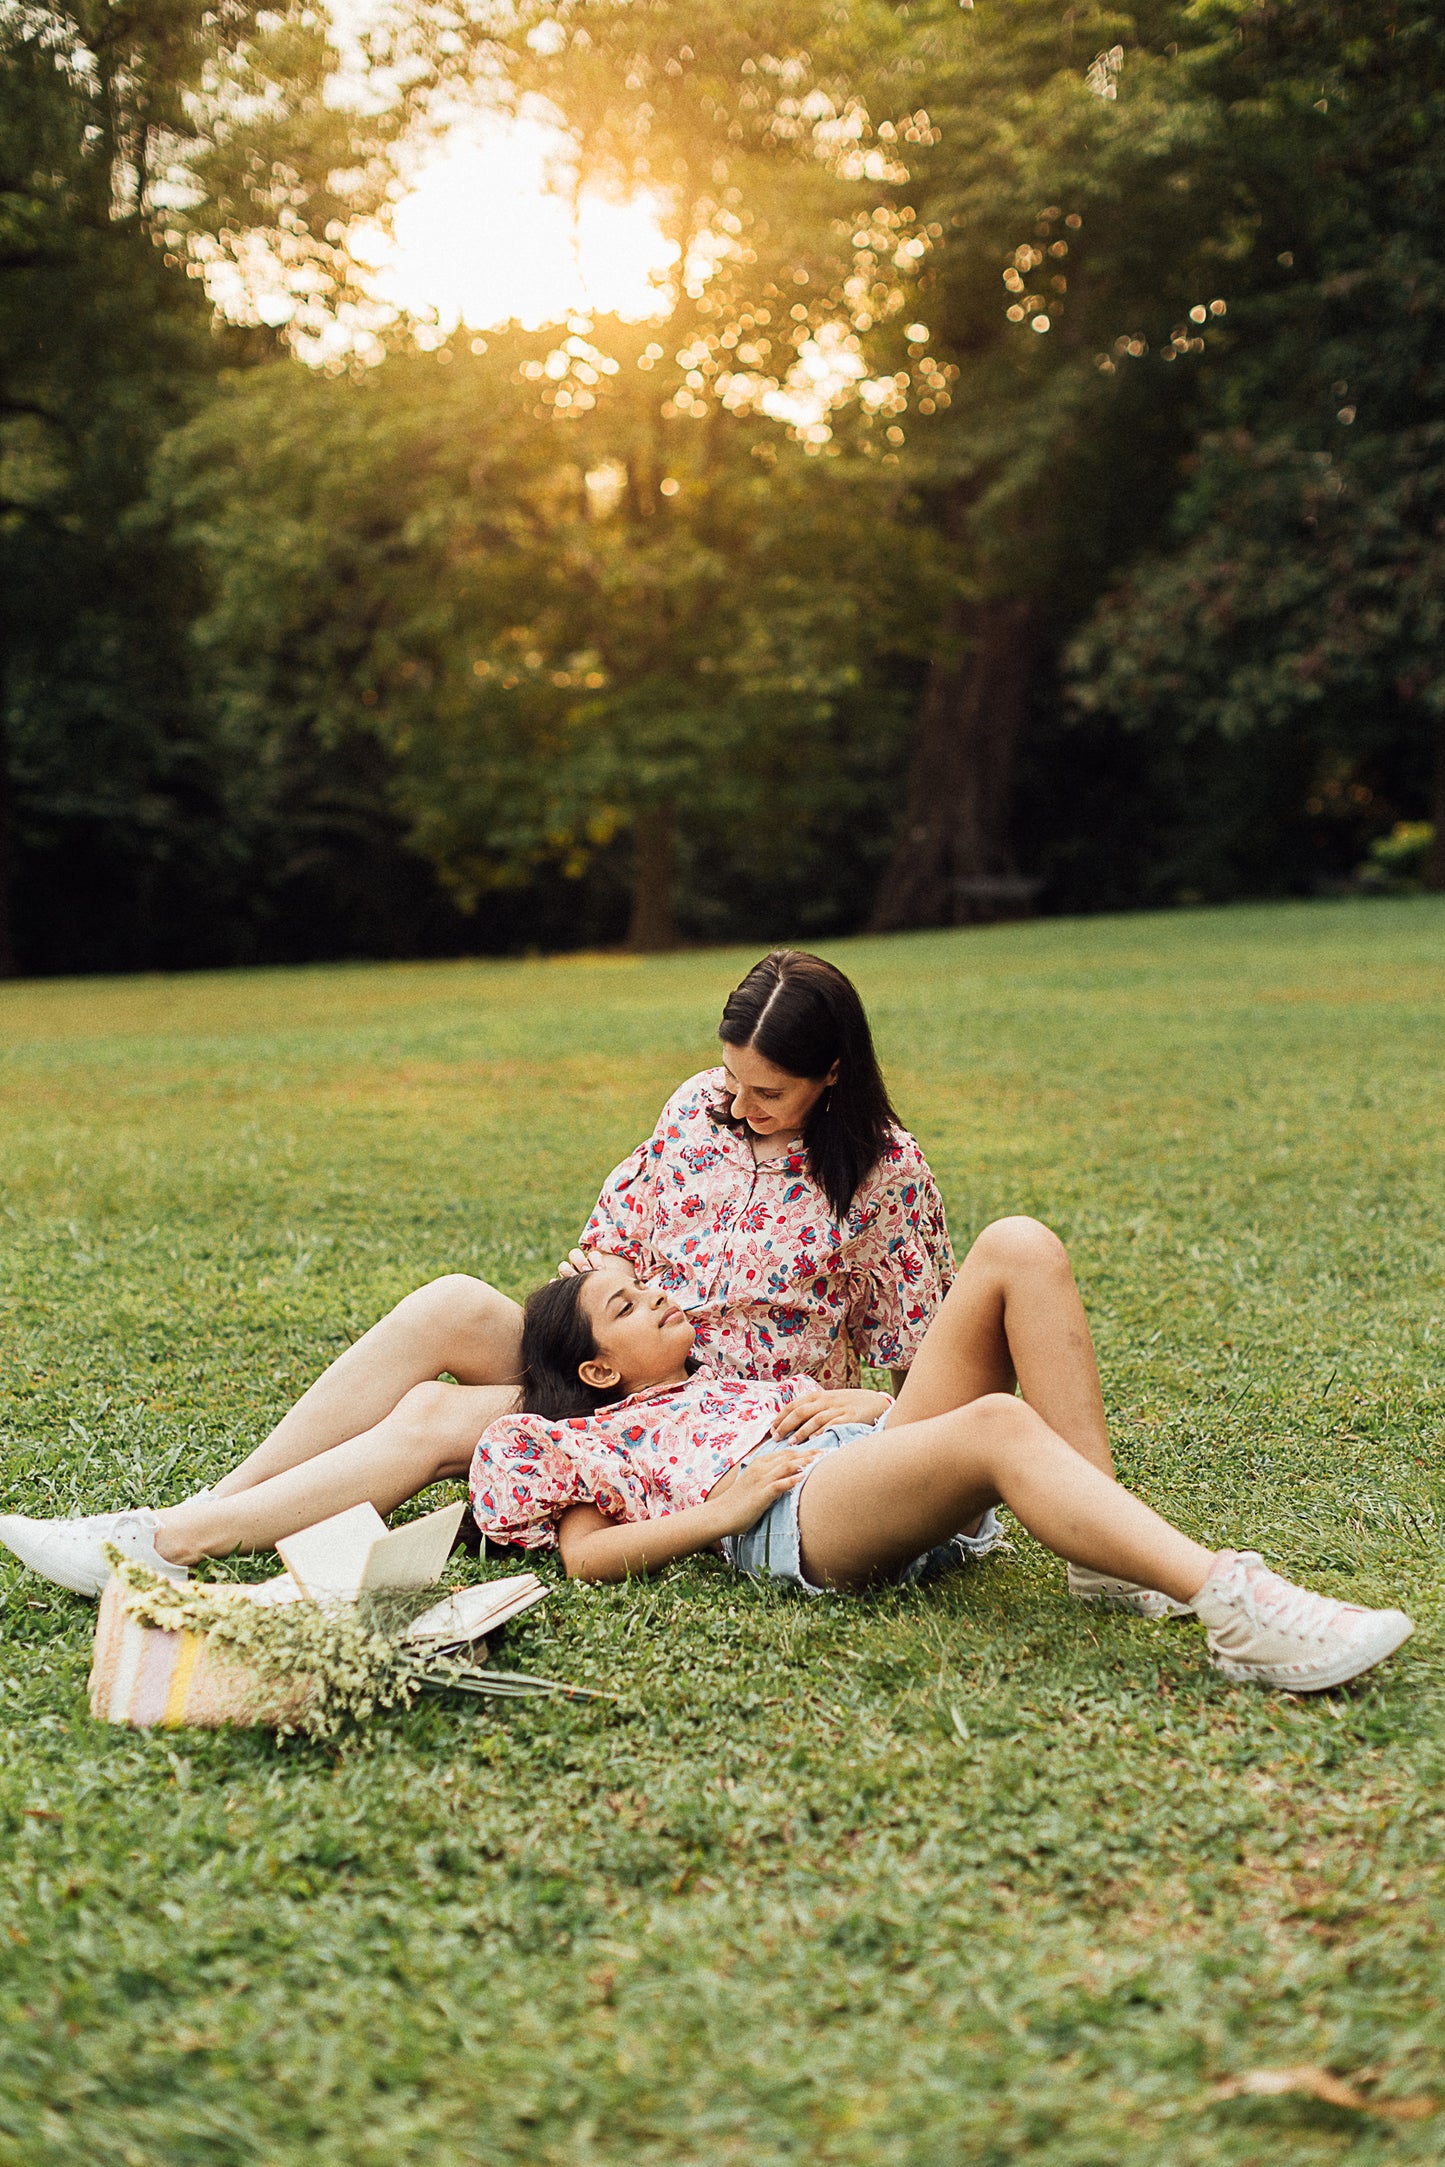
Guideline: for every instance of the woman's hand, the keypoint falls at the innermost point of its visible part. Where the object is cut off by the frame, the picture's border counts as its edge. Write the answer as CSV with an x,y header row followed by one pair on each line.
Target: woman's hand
x,y
577,1261
758,1483
824,1410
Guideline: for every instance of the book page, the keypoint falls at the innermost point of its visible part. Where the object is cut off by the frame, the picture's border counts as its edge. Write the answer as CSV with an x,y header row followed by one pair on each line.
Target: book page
x,y
331,1558
470,1612
412,1556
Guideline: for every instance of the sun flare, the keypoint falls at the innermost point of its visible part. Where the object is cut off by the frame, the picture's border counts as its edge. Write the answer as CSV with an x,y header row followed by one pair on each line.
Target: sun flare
x,y
492,231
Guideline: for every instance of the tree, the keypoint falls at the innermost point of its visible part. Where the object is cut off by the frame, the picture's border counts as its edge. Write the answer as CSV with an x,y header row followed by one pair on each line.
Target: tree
x,y
660,624
717,111
136,146
1305,593
1071,184
998,237
565,626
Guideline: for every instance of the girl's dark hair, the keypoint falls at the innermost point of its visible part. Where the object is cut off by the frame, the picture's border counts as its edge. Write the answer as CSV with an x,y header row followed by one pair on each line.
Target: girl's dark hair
x,y
557,1338
803,1015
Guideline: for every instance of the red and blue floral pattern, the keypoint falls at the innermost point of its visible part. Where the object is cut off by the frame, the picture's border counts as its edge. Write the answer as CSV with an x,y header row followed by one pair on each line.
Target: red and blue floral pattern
x,y
657,1452
772,1283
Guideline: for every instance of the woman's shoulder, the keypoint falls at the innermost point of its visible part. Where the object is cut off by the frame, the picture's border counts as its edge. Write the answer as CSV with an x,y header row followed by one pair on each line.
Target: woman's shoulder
x,y
510,1430
901,1160
689,1109
700,1092
900,1184
531,1434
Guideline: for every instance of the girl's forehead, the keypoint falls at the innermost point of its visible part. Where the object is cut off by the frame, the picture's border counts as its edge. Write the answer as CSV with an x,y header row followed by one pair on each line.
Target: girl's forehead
x,y
602,1282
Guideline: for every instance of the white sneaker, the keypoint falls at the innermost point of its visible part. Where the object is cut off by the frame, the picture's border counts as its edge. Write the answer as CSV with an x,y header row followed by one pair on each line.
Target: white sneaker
x,y
986,1537
72,1552
1090,1587
1263,1630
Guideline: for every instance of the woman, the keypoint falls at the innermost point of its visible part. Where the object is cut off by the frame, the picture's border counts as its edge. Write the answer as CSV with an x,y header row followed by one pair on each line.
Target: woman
x,y
778,1201
628,1454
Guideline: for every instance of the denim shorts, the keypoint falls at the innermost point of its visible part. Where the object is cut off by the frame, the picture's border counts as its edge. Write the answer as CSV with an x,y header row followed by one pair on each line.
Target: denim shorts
x,y
771,1549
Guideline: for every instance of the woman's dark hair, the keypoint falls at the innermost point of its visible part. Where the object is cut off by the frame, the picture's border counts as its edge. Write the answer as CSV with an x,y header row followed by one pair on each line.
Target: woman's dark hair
x,y
803,1015
557,1338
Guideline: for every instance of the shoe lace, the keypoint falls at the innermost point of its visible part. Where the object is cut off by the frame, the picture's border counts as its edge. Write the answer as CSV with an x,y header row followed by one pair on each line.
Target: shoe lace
x,y
1272,1602
139,1520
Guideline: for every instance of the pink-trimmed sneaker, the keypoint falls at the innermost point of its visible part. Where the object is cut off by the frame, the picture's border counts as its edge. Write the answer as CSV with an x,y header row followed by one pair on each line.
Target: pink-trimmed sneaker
x,y
1263,1630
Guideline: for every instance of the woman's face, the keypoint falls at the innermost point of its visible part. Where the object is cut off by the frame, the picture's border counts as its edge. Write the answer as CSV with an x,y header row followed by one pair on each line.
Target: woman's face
x,y
772,1102
641,1335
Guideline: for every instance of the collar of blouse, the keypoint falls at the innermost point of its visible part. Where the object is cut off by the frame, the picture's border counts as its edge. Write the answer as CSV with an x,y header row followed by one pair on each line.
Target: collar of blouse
x,y
738,1146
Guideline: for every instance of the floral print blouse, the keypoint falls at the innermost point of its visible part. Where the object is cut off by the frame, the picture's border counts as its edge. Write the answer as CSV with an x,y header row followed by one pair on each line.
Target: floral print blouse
x,y
656,1452
772,1283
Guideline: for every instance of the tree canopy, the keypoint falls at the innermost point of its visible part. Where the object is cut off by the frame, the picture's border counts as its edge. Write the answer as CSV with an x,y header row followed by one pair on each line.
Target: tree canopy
x,y
1028,493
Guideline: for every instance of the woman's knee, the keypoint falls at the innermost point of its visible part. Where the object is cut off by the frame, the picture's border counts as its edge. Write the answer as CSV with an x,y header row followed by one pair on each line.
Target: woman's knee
x,y
1021,1244
994,1423
995,1411
426,1417
457,1300
461,1324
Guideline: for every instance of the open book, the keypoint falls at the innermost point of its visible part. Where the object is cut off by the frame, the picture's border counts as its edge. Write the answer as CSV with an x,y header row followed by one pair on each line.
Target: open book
x,y
356,1553
470,1612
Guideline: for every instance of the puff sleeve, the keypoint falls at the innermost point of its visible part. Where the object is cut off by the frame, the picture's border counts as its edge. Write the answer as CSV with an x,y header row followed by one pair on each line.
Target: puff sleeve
x,y
625,1214
523,1478
900,1260
621,1219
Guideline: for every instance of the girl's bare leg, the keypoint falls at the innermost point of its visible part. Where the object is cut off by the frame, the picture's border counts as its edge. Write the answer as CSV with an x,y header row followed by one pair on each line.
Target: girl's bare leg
x,y
869,1508
1013,1317
458,1324
429,1437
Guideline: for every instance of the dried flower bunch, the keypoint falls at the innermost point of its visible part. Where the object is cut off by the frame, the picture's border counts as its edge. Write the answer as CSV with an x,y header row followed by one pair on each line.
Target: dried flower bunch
x,y
318,1667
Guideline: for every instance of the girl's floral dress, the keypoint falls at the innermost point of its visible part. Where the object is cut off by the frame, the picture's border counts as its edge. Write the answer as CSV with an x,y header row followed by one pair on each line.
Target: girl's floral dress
x,y
657,1452
775,1286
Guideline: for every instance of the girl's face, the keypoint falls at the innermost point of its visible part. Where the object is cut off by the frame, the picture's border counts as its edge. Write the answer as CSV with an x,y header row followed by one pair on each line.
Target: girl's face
x,y
772,1102
641,1335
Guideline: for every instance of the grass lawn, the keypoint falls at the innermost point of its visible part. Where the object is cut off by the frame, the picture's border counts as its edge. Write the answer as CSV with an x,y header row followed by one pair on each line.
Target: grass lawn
x,y
961,1876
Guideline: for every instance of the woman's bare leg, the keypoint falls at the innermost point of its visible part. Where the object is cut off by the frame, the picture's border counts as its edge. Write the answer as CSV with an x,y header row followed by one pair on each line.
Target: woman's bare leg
x,y
428,1438
458,1324
1013,1317
869,1508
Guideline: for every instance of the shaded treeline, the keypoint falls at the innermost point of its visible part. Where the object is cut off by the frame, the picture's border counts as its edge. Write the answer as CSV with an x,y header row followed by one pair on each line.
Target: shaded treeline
x,y
1113,574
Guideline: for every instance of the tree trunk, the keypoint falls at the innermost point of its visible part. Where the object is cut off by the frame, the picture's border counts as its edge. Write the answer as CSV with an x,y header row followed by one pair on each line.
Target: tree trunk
x,y
1434,867
954,862
8,965
654,881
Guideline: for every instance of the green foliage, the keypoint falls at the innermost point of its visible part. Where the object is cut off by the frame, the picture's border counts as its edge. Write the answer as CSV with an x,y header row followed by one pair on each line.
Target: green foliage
x,y
1305,591
780,1906
137,146
1396,858
562,607
1128,507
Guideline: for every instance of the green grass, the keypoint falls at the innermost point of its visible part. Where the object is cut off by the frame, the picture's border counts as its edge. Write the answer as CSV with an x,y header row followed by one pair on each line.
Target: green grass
x,y
778,1908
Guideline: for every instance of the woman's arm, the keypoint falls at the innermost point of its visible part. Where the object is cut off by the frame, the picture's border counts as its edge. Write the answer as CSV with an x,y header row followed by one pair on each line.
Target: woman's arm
x,y
597,1548
823,1410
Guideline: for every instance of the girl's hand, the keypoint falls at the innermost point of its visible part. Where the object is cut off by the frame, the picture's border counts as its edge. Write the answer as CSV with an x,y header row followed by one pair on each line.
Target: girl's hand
x,y
824,1410
758,1483
577,1261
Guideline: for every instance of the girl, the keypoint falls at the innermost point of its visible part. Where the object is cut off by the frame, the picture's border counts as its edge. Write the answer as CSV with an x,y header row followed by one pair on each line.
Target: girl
x,y
627,1454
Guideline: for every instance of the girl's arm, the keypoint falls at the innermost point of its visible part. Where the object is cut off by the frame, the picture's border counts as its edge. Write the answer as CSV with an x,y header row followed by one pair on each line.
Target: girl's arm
x,y
597,1548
